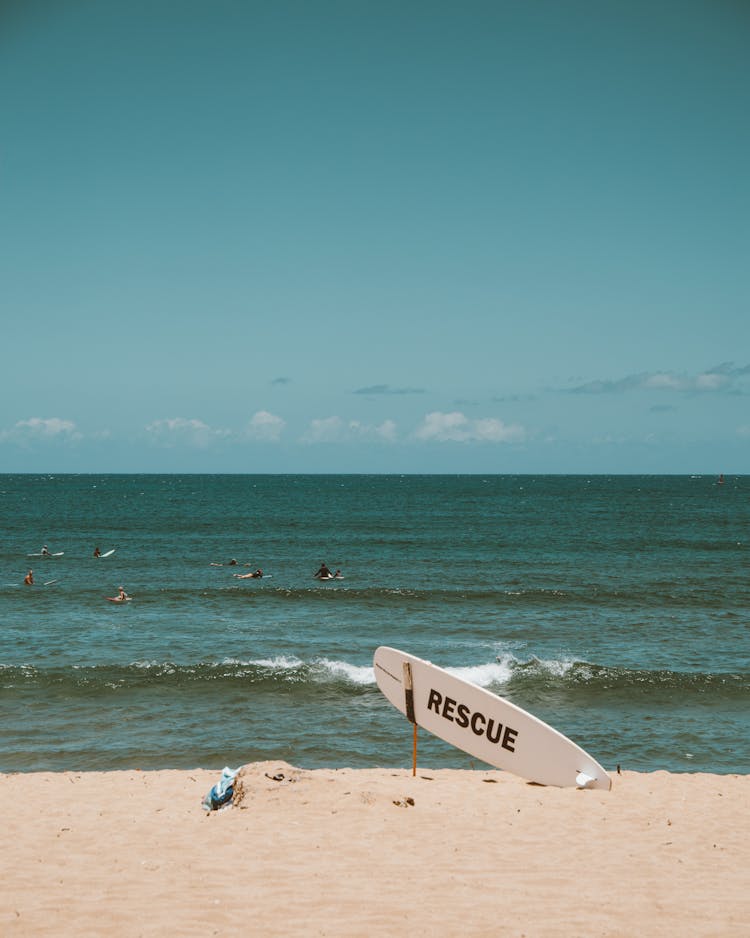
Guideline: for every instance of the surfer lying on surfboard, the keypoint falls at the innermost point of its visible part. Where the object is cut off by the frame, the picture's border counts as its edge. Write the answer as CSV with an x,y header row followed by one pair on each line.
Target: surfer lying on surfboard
x,y
257,575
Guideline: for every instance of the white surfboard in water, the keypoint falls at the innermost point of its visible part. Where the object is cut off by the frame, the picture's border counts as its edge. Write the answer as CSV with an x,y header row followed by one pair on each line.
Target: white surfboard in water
x,y
484,725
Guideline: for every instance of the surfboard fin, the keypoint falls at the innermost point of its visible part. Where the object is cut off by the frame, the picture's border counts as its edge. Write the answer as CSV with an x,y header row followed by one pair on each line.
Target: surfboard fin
x,y
584,781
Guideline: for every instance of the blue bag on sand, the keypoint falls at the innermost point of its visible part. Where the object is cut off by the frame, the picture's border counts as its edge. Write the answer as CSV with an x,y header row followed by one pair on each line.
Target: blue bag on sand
x,y
221,793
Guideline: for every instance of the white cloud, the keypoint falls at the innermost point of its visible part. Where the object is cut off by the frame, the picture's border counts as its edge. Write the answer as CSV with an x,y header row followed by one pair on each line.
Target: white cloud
x,y
725,377
711,382
42,428
383,432
386,431
176,431
336,430
455,427
265,426
706,381
324,430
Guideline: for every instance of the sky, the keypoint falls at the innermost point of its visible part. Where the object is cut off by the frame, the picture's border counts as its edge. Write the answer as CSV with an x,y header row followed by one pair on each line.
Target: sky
x,y
375,236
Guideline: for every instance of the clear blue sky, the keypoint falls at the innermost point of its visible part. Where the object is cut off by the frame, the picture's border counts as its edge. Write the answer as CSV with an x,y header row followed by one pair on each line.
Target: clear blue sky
x,y
375,236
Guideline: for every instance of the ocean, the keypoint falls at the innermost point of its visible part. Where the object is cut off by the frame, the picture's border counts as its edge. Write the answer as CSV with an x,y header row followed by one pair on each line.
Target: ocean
x,y
615,608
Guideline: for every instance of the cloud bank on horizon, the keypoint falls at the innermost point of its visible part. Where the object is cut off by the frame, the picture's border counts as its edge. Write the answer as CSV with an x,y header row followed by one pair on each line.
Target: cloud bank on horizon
x,y
265,427
447,428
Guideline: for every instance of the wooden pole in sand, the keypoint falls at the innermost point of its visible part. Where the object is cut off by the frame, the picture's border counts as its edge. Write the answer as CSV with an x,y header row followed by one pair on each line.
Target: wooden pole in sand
x,y
409,697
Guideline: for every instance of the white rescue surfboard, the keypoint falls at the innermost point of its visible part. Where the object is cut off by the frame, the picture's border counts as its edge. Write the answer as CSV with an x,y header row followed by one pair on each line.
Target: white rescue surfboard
x,y
484,725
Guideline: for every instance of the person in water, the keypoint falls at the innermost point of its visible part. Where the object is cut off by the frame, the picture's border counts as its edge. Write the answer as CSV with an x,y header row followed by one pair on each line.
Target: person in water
x,y
97,552
257,575
122,595
45,551
323,573
29,578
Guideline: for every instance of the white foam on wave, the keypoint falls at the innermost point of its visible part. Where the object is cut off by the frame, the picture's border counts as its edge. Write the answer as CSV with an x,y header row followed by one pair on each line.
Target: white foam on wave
x,y
484,675
280,663
555,667
515,658
357,674
168,666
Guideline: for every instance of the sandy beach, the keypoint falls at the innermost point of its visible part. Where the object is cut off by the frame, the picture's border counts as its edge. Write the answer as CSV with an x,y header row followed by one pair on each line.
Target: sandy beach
x,y
373,852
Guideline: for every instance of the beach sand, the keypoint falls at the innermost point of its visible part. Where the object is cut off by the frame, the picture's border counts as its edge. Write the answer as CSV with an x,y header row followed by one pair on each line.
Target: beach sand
x,y
343,852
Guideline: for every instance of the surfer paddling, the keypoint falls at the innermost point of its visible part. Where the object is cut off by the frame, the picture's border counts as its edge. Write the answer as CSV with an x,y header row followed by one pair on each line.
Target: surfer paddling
x,y
256,575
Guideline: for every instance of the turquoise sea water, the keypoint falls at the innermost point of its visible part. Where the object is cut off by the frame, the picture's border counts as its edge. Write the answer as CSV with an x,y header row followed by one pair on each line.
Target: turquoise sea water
x,y
615,608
